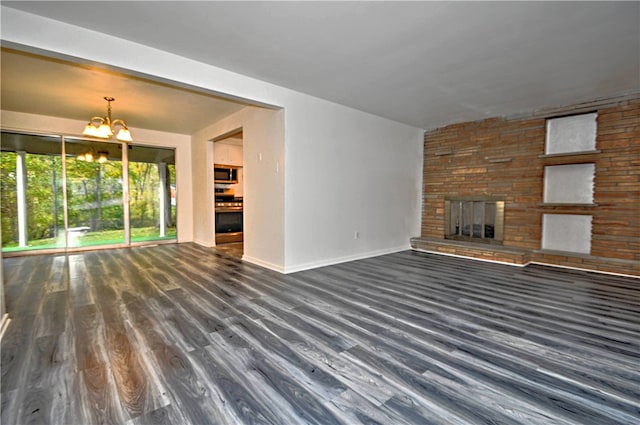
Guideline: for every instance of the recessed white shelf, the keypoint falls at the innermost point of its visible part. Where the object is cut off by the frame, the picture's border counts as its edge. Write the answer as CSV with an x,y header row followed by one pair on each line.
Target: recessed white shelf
x,y
567,232
569,184
576,133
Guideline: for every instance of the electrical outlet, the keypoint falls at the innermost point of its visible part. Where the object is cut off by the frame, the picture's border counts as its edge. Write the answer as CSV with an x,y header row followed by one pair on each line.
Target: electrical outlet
x,y
356,235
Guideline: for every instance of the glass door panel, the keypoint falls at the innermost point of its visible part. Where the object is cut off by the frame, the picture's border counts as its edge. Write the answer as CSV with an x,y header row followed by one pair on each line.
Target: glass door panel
x,y
152,189
478,219
94,193
31,189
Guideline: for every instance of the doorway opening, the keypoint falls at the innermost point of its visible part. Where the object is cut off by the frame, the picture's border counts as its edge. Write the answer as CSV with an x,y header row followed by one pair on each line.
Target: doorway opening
x,y
228,164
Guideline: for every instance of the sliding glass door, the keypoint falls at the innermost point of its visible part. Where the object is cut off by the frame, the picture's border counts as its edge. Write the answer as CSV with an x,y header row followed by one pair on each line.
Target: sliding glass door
x,y
40,211
152,198
94,193
31,192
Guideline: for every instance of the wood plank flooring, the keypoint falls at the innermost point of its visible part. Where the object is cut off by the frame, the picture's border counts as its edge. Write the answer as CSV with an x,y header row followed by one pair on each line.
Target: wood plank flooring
x,y
180,334
234,249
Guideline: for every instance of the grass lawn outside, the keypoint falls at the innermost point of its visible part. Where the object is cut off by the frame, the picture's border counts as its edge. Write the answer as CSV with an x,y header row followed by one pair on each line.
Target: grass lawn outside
x,y
104,237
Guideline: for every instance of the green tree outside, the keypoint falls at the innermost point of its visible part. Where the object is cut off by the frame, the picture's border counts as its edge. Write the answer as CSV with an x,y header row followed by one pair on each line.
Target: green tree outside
x,y
94,199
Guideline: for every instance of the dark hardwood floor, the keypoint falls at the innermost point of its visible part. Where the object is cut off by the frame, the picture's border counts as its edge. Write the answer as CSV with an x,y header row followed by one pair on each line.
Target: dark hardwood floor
x,y
179,334
234,249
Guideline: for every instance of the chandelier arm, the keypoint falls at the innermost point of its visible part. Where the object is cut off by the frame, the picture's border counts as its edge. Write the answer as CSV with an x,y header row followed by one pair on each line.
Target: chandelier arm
x,y
118,122
101,119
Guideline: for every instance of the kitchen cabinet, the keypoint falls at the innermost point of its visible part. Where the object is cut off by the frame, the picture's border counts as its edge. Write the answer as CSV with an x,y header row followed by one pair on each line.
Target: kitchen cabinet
x,y
227,154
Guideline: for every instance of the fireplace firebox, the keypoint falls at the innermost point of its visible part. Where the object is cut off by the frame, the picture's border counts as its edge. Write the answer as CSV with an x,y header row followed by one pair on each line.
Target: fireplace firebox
x,y
474,219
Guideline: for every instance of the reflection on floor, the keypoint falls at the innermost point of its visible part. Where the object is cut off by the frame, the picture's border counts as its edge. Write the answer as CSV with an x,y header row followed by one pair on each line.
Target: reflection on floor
x,y
234,249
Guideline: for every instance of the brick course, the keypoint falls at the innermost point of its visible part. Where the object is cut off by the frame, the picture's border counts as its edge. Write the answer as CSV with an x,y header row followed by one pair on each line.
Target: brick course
x,y
502,158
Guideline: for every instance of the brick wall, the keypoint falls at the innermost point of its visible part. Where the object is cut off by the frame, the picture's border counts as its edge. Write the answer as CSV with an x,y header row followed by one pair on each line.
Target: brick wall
x,y
502,158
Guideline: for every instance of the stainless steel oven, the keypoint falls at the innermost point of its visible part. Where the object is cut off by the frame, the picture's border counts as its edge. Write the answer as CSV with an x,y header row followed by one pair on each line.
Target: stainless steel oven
x,y
228,221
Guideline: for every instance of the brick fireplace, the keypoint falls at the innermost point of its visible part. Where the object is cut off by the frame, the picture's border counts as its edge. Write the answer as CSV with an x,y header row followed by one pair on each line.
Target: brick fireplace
x,y
468,166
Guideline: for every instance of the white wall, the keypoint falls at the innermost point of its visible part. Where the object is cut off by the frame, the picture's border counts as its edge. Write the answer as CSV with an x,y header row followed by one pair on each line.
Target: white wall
x,y
376,185
348,171
263,156
182,144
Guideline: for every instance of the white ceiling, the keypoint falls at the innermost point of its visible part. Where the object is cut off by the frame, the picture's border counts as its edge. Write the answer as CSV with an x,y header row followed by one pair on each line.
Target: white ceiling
x,y
427,64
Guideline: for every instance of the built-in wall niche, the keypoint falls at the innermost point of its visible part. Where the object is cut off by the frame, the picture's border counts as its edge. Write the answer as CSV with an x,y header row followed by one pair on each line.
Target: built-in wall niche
x,y
567,232
572,134
569,184
474,219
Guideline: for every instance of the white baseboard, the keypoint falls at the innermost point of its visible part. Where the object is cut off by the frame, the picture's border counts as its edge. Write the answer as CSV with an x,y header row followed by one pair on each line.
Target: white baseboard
x,y
583,269
338,260
264,264
206,244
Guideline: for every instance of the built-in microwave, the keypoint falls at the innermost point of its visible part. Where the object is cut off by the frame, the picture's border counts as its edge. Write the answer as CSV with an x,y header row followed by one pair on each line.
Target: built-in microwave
x,y
225,174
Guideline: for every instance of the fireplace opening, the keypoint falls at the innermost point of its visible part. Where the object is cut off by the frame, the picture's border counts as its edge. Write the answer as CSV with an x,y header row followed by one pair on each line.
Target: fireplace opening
x,y
474,219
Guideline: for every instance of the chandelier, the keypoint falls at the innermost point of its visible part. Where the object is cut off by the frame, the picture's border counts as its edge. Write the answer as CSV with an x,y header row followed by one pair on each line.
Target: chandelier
x,y
104,127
